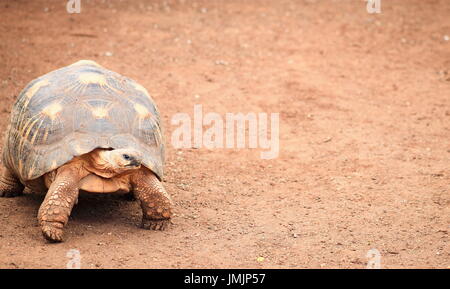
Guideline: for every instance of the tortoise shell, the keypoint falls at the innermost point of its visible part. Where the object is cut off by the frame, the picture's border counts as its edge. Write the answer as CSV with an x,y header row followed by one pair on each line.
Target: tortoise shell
x,y
73,110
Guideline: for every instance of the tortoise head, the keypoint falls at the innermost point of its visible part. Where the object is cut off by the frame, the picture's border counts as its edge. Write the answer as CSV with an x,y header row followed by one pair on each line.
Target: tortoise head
x,y
122,159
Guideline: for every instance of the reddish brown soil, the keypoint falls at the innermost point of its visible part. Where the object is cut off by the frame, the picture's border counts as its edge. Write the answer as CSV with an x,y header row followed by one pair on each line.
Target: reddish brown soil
x,y
364,131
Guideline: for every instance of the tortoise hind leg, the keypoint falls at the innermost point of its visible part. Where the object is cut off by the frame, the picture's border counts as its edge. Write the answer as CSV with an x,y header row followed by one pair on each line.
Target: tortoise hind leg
x,y
155,202
10,186
58,203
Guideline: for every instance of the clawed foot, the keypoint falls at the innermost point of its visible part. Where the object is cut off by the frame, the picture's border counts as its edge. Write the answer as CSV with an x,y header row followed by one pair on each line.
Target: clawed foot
x,y
52,231
157,225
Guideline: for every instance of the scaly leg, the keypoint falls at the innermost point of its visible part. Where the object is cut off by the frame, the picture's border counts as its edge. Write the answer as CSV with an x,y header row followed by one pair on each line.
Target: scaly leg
x,y
10,186
58,203
155,201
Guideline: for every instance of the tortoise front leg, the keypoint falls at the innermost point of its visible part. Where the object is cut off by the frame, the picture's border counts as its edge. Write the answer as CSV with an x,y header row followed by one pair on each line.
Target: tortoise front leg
x,y
58,203
155,201
10,186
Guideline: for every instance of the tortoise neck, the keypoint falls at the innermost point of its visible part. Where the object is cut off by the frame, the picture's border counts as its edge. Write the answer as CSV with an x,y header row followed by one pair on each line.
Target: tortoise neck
x,y
97,162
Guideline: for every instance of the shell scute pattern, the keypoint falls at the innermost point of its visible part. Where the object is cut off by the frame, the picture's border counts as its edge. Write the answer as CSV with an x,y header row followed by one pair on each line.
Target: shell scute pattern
x,y
75,109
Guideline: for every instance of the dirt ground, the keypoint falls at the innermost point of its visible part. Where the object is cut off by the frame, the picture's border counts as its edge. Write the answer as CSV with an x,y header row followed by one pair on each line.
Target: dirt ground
x,y
364,103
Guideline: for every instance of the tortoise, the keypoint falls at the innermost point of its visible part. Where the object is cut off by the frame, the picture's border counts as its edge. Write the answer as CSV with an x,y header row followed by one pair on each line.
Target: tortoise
x,y
83,127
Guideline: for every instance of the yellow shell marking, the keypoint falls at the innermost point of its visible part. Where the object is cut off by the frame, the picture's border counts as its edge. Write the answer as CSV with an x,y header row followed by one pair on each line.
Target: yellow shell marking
x,y
25,132
31,171
44,139
54,165
91,77
36,87
141,110
35,134
77,149
100,112
52,110
140,88
30,93
85,62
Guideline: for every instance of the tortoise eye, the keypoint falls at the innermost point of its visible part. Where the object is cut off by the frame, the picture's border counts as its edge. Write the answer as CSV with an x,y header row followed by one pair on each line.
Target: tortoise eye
x,y
127,157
